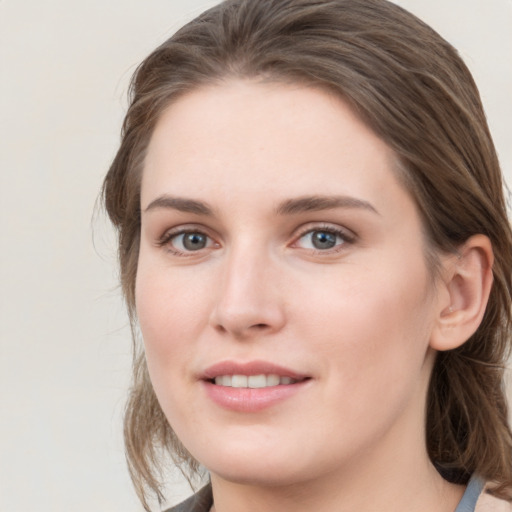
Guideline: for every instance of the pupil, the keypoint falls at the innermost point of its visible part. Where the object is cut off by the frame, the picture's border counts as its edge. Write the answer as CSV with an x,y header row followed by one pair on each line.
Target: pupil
x,y
324,240
194,241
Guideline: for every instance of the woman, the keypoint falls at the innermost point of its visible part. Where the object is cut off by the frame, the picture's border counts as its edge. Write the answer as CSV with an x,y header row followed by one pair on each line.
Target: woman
x,y
313,240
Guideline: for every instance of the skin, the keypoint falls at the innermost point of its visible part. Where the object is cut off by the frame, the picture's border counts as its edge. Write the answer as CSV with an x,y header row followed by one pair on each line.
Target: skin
x,y
358,319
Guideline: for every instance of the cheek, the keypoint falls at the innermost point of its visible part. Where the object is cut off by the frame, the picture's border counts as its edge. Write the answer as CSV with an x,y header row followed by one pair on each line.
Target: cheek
x,y
172,307
166,317
168,303
163,308
151,295
373,331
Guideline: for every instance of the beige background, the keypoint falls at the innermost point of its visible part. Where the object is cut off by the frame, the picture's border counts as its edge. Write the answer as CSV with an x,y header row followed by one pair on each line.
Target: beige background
x,y
65,348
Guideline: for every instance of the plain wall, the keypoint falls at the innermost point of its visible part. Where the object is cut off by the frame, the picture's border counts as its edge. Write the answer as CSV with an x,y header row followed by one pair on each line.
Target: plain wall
x,y
64,341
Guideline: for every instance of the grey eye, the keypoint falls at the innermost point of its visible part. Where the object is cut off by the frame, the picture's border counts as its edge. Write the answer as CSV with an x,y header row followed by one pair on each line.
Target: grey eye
x,y
191,241
321,240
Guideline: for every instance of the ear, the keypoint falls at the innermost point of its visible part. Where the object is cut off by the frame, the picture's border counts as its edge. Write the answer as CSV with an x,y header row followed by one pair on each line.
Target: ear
x,y
463,293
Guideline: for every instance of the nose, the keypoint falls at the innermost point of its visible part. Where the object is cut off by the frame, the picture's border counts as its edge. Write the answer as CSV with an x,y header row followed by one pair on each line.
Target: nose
x,y
249,300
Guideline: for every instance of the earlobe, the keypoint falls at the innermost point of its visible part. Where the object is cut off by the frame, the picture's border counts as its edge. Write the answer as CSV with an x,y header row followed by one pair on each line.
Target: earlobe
x,y
466,287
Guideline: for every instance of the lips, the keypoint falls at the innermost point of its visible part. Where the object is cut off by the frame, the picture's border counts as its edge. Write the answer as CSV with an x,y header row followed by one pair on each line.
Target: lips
x,y
251,386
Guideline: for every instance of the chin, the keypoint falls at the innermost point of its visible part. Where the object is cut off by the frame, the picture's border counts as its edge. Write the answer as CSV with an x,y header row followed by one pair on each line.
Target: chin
x,y
277,465
259,473
248,466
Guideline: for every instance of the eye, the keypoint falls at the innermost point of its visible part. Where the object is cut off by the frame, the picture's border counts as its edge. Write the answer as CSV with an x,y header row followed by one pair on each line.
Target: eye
x,y
187,241
322,239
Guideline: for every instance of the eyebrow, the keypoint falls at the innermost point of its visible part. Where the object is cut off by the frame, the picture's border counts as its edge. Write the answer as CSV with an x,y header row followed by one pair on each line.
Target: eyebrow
x,y
318,203
181,204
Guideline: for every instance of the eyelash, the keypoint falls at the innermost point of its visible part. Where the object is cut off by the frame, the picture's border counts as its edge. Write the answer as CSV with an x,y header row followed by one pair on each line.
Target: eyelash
x,y
169,236
346,237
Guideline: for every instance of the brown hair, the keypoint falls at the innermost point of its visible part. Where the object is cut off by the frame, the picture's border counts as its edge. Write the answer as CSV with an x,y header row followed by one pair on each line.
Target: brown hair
x,y
411,87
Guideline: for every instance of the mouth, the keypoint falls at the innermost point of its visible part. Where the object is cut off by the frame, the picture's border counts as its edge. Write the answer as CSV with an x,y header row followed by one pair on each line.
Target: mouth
x,y
251,386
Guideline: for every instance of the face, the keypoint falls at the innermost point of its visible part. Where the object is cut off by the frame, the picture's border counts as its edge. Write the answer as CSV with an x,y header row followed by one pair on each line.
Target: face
x,y
282,290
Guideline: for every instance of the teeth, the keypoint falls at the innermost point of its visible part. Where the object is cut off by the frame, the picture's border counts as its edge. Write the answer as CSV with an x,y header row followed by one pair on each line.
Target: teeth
x,y
226,380
239,381
257,381
273,380
252,381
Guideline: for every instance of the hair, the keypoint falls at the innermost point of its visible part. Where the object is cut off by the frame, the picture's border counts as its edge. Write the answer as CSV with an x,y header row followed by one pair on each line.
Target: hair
x,y
413,90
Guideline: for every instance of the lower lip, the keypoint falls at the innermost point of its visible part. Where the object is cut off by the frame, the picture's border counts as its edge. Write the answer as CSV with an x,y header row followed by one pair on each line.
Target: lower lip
x,y
251,399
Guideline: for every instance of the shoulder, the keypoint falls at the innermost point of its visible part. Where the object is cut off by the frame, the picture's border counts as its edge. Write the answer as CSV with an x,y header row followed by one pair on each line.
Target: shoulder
x,y
199,502
489,503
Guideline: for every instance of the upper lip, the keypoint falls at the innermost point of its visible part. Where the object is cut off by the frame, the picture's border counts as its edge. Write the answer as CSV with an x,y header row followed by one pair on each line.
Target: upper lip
x,y
249,368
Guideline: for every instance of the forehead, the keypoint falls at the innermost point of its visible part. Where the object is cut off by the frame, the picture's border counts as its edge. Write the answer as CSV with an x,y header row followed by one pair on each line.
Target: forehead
x,y
248,138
